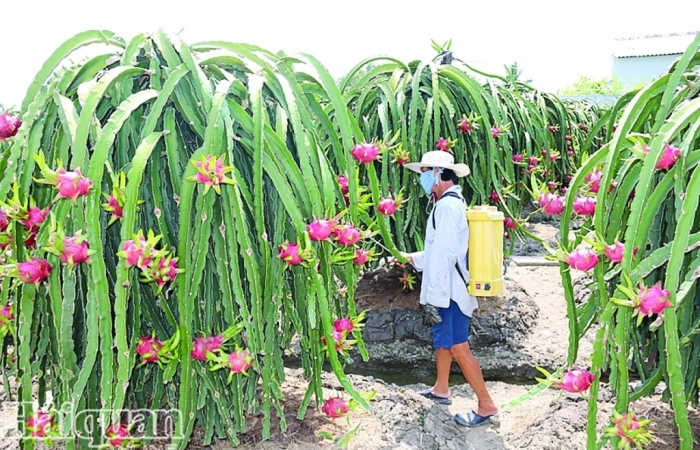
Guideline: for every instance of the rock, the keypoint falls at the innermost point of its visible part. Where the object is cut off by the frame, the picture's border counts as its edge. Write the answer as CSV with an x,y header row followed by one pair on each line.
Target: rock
x,y
379,327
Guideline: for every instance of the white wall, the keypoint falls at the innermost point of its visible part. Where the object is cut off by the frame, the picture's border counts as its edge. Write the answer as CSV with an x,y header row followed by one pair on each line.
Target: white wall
x,y
643,68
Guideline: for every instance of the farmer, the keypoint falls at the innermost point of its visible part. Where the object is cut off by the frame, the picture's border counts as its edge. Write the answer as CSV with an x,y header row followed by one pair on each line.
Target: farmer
x,y
444,282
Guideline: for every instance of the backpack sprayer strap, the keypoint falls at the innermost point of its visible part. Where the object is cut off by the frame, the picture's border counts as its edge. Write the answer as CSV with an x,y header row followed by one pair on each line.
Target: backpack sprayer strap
x,y
432,213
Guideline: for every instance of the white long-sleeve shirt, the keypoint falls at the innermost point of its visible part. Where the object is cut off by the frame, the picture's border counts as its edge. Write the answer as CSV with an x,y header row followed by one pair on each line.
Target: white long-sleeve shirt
x,y
443,247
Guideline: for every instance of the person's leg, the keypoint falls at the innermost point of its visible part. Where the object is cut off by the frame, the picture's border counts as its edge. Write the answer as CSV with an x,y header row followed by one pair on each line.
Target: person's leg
x,y
443,356
443,361
472,372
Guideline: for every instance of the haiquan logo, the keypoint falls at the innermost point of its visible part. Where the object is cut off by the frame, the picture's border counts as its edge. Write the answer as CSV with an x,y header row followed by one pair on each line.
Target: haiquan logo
x,y
89,427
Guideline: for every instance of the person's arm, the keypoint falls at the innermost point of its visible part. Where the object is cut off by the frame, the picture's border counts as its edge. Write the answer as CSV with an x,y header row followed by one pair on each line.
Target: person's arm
x,y
417,259
443,254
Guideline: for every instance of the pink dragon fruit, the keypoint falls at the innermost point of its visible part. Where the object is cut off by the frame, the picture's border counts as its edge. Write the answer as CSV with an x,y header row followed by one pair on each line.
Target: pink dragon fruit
x,y
202,345
116,435
320,229
615,251
34,270
444,144
365,152
533,160
653,300
575,381
465,126
553,128
543,152
39,424
343,325
494,197
361,256
387,206
148,347
624,426
582,259
240,361
495,132
509,223
593,180
75,250
570,153
584,206
9,125
668,158
517,158
401,156
567,138
167,271
114,207
551,203
335,407
211,172
552,186
348,235
553,157
4,223
72,184
35,217
6,315
133,251
289,252
343,183
340,342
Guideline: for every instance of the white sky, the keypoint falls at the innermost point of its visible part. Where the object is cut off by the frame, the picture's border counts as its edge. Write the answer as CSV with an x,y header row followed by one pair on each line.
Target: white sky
x,y
554,41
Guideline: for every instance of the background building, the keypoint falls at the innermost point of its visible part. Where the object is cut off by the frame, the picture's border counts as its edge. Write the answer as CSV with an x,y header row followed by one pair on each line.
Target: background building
x,y
644,58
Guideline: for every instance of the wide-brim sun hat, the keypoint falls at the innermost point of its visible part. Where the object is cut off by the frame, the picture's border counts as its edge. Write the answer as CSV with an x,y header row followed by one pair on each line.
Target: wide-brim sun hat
x,y
439,158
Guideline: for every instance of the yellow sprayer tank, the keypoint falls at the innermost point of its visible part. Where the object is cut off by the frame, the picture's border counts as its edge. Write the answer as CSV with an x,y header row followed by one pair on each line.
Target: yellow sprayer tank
x,y
485,251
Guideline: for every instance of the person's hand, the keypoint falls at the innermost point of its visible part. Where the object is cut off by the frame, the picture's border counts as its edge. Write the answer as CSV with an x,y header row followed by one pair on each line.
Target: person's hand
x,y
407,256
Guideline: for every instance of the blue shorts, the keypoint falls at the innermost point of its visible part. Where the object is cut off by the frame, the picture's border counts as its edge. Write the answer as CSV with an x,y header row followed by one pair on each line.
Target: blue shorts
x,y
454,328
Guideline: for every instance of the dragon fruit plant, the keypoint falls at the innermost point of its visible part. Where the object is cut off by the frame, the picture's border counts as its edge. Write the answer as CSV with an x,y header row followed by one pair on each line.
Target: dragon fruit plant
x,y
644,179
123,149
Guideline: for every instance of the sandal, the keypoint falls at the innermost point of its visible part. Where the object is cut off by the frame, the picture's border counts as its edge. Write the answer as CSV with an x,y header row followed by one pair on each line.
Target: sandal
x,y
473,419
430,396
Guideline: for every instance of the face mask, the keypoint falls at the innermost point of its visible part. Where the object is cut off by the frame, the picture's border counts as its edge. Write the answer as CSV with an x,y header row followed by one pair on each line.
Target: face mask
x,y
428,180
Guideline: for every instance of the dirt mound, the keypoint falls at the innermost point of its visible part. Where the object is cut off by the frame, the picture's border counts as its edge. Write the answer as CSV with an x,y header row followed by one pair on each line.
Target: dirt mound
x,y
399,338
